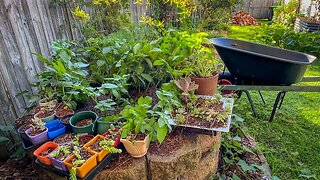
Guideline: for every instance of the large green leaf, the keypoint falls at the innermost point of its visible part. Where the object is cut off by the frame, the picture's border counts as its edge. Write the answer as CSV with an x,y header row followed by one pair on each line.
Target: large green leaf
x,y
162,133
147,77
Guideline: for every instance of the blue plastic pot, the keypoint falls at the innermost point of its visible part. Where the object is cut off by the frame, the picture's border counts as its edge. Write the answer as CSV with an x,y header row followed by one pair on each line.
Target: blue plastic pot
x,y
55,129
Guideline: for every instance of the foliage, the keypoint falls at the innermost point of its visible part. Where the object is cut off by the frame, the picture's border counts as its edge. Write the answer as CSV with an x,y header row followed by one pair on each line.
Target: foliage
x,y
205,64
187,86
106,16
286,14
38,124
233,151
65,150
107,145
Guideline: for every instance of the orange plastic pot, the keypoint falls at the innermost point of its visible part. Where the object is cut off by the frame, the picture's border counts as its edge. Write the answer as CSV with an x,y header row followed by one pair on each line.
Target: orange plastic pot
x,y
102,153
45,159
83,170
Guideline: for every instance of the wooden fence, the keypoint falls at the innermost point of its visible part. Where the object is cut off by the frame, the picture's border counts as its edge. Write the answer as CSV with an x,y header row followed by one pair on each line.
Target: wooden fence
x,y
28,26
257,8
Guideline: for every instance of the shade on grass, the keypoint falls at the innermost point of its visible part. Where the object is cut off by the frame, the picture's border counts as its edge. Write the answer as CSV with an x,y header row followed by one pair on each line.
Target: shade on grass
x,y
291,143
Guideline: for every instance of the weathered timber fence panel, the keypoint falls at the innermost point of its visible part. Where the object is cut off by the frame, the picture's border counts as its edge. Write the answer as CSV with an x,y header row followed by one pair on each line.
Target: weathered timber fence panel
x,y
257,8
26,26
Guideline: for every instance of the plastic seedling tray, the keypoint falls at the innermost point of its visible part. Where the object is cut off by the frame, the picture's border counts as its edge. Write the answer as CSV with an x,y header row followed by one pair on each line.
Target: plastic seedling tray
x,y
104,163
226,102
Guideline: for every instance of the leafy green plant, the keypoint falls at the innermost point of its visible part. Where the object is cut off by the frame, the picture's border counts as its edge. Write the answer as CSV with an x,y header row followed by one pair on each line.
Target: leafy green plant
x,y
233,151
286,14
65,150
107,144
205,64
187,86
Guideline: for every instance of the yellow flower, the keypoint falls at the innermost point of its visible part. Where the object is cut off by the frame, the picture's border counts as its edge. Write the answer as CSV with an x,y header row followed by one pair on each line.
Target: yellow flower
x,y
81,15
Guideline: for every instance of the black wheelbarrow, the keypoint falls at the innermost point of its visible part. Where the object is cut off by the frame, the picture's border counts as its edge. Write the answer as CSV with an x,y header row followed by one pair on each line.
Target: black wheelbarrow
x,y
259,67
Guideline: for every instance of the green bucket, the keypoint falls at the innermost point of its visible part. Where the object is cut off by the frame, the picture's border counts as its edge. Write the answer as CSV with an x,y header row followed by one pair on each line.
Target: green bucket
x,y
90,129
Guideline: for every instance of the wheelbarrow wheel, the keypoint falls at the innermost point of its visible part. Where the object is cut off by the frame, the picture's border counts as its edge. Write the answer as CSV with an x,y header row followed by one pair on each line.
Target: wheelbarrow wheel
x,y
226,78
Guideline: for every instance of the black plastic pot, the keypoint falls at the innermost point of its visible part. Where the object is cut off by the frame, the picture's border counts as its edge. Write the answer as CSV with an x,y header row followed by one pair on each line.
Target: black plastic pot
x,y
67,125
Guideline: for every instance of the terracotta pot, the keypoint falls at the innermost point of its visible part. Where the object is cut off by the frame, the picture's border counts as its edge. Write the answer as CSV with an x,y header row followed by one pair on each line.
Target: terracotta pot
x,y
136,149
207,85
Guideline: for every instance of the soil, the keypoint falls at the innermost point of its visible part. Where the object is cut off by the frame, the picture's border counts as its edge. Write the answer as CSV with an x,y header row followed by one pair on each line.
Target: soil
x,y
84,139
36,109
84,122
310,20
26,119
113,135
200,122
84,155
95,146
23,129
19,169
140,137
124,160
63,112
44,113
148,92
171,144
35,131
64,138
66,120
46,152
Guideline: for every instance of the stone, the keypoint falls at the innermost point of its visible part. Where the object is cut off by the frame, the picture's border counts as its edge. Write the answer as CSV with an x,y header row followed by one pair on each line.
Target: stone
x,y
135,170
172,166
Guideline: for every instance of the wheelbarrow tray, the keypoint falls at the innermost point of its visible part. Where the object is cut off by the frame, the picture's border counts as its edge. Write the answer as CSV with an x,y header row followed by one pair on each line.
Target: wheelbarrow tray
x,y
252,61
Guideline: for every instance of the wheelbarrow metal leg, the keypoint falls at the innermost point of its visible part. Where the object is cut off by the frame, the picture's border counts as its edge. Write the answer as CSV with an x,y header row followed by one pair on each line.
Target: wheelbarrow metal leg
x,y
276,103
264,102
251,103
282,98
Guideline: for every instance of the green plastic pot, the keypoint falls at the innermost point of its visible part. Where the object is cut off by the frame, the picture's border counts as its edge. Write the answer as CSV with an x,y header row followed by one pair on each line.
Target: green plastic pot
x,y
90,129
102,126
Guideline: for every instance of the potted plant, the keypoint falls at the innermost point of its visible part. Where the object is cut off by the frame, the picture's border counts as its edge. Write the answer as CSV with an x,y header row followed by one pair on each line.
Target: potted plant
x,y
135,134
22,132
81,140
26,119
37,133
206,70
64,139
55,129
43,151
103,124
63,110
201,112
65,120
83,122
47,111
59,155
102,146
81,162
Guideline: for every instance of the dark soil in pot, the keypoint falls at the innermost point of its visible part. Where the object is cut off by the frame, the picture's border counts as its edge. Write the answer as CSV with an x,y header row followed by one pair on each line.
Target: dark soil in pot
x,y
65,120
45,113
84,122
24,128
84,139
46,152
140,137
201,122
95,146
26,119
64,138
63,112
84,155
35,131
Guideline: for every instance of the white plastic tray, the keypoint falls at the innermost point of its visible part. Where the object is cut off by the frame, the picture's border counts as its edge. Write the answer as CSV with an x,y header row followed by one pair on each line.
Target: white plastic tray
x,y
226,101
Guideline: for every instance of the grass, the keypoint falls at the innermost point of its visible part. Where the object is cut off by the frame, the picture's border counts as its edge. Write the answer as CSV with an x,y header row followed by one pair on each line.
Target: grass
x,y
291,143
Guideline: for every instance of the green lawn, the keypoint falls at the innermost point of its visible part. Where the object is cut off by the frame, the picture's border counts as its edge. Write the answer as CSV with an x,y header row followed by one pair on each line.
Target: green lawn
x,y
291,143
